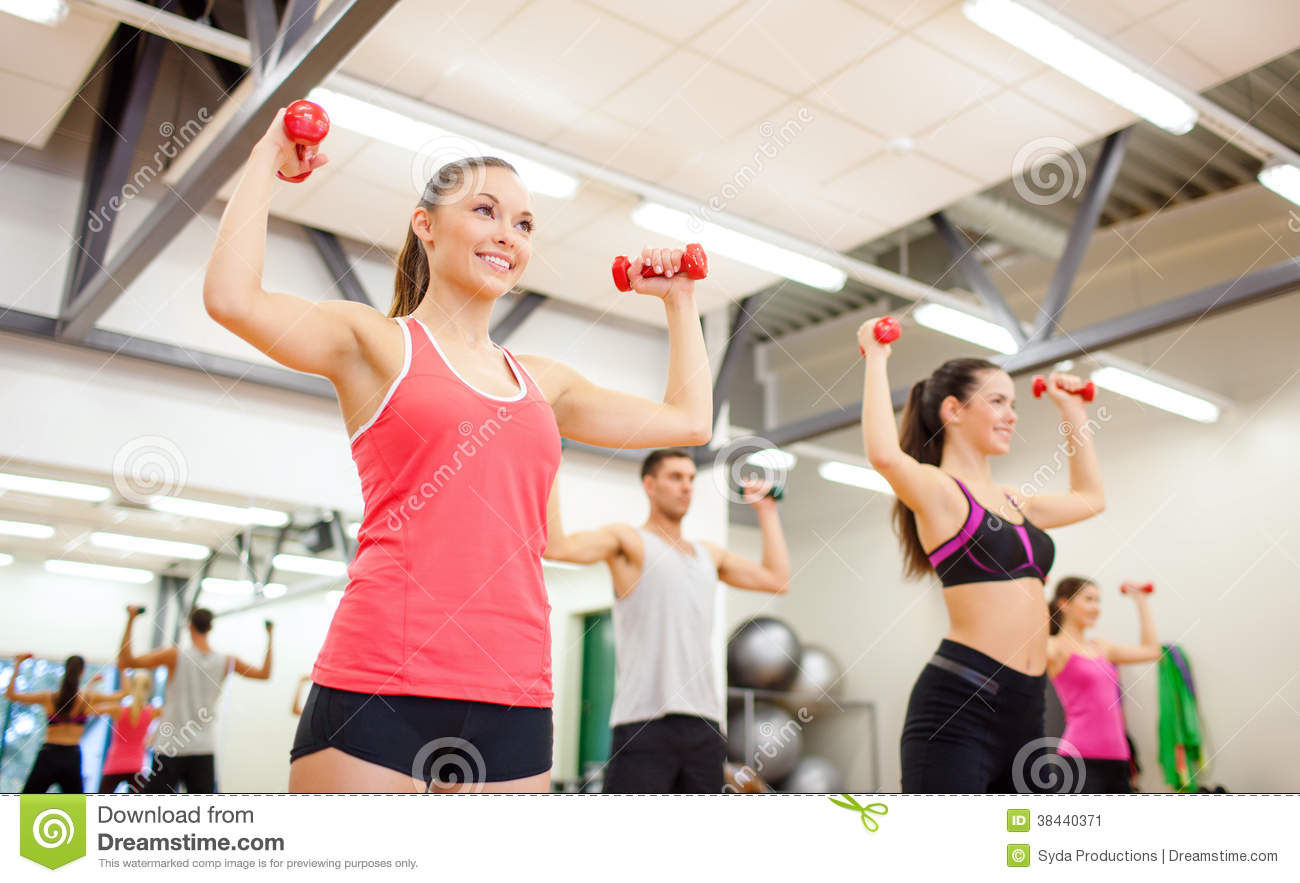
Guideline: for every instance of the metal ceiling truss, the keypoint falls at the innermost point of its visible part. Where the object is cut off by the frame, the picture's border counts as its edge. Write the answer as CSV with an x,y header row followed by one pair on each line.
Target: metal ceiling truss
x,y
324,44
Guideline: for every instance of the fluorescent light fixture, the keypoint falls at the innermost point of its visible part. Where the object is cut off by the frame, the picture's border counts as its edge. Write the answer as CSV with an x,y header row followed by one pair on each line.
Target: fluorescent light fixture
x,y
560,565
1126,383
333,596
1089,66
6,560
148,546
219,586
98,571
773,459
1283,179
47,487
438,145
26,529
857,476
972,328
218,512
43,12
308,564
738,246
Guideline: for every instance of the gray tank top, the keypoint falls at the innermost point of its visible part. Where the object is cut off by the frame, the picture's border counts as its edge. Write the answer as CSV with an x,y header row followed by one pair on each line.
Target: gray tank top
x,y
189,718
662,637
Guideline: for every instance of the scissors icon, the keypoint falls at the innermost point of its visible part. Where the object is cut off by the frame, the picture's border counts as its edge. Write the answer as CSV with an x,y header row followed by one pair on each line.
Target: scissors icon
x,y
867,821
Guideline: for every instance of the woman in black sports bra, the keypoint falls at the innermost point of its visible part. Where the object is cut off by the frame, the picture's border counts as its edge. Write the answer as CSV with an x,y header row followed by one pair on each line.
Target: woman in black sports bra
x,y
59,760
975,716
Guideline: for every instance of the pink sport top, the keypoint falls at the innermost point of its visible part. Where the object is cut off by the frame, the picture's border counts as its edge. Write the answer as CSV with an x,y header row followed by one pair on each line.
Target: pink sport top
x,y
445,596
1094,718
126,749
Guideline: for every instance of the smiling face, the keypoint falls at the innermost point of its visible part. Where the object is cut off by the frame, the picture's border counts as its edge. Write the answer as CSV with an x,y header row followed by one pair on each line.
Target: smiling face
x,y
480,238
1083,609
670,486
987,419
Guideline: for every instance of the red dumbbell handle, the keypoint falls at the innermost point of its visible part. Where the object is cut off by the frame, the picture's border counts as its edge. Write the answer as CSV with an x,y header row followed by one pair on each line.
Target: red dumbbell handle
x,y
885,331
1144,588
1088,391
695,264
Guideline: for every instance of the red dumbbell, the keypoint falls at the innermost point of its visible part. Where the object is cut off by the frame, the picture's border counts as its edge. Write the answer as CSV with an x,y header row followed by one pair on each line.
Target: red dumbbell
x,y
695,263
886,330
1144,588
306,123
1088,392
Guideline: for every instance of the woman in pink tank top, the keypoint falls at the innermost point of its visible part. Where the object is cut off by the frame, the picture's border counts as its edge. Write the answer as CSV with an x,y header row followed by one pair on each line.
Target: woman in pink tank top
x,y
130,737
435,673
1085,674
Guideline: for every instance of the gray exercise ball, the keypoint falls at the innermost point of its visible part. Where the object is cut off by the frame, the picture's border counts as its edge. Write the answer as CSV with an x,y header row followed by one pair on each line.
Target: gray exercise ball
x,y
818,678
814,775
764,654
776,739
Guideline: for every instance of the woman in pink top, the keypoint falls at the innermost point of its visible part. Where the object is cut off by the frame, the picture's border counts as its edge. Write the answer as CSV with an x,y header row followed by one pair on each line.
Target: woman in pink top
x,y
130,737
436,670
1083,671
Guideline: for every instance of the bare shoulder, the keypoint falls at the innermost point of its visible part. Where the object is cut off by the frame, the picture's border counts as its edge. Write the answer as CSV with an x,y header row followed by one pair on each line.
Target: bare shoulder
x,y
552,376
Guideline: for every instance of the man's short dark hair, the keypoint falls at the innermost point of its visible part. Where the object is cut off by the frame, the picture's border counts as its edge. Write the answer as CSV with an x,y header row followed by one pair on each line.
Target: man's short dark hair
x,y
201,619
651,463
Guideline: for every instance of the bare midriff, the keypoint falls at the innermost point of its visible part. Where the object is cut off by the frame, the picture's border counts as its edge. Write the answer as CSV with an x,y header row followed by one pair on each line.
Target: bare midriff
x,y
1006,620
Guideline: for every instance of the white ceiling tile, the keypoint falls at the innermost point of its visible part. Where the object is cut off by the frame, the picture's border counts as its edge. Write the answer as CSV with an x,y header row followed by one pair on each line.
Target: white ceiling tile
x,y
905,13
932,87
1233,37
1099,16
32,110
984,141
419,39
508,99
676,20
351,207
692,101
558,218
952,32
60,55
819,219
1085,107
1151,46
380,164
899,188
572,48
600,138
792,44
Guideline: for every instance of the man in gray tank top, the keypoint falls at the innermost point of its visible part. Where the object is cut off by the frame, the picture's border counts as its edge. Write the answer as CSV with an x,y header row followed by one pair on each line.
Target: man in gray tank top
x,y
186,742
666,732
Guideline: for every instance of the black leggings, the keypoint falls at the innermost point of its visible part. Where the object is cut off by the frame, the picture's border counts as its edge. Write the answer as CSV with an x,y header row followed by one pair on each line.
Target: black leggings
x,y
1094,775
196,772
109,781
673,754
56,765
973,726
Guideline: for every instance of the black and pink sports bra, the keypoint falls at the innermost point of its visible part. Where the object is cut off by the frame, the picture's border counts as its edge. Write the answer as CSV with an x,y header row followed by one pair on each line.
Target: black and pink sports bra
x,y
992,549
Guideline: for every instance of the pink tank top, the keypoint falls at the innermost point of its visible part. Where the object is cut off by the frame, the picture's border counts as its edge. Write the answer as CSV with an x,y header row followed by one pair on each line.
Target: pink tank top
x,y
445,596
1094,717
126,747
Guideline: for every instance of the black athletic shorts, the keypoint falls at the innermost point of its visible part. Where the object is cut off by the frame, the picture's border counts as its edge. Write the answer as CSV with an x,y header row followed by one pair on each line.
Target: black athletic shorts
x,y
451,741
1095,775
673,754
196,773
55,765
